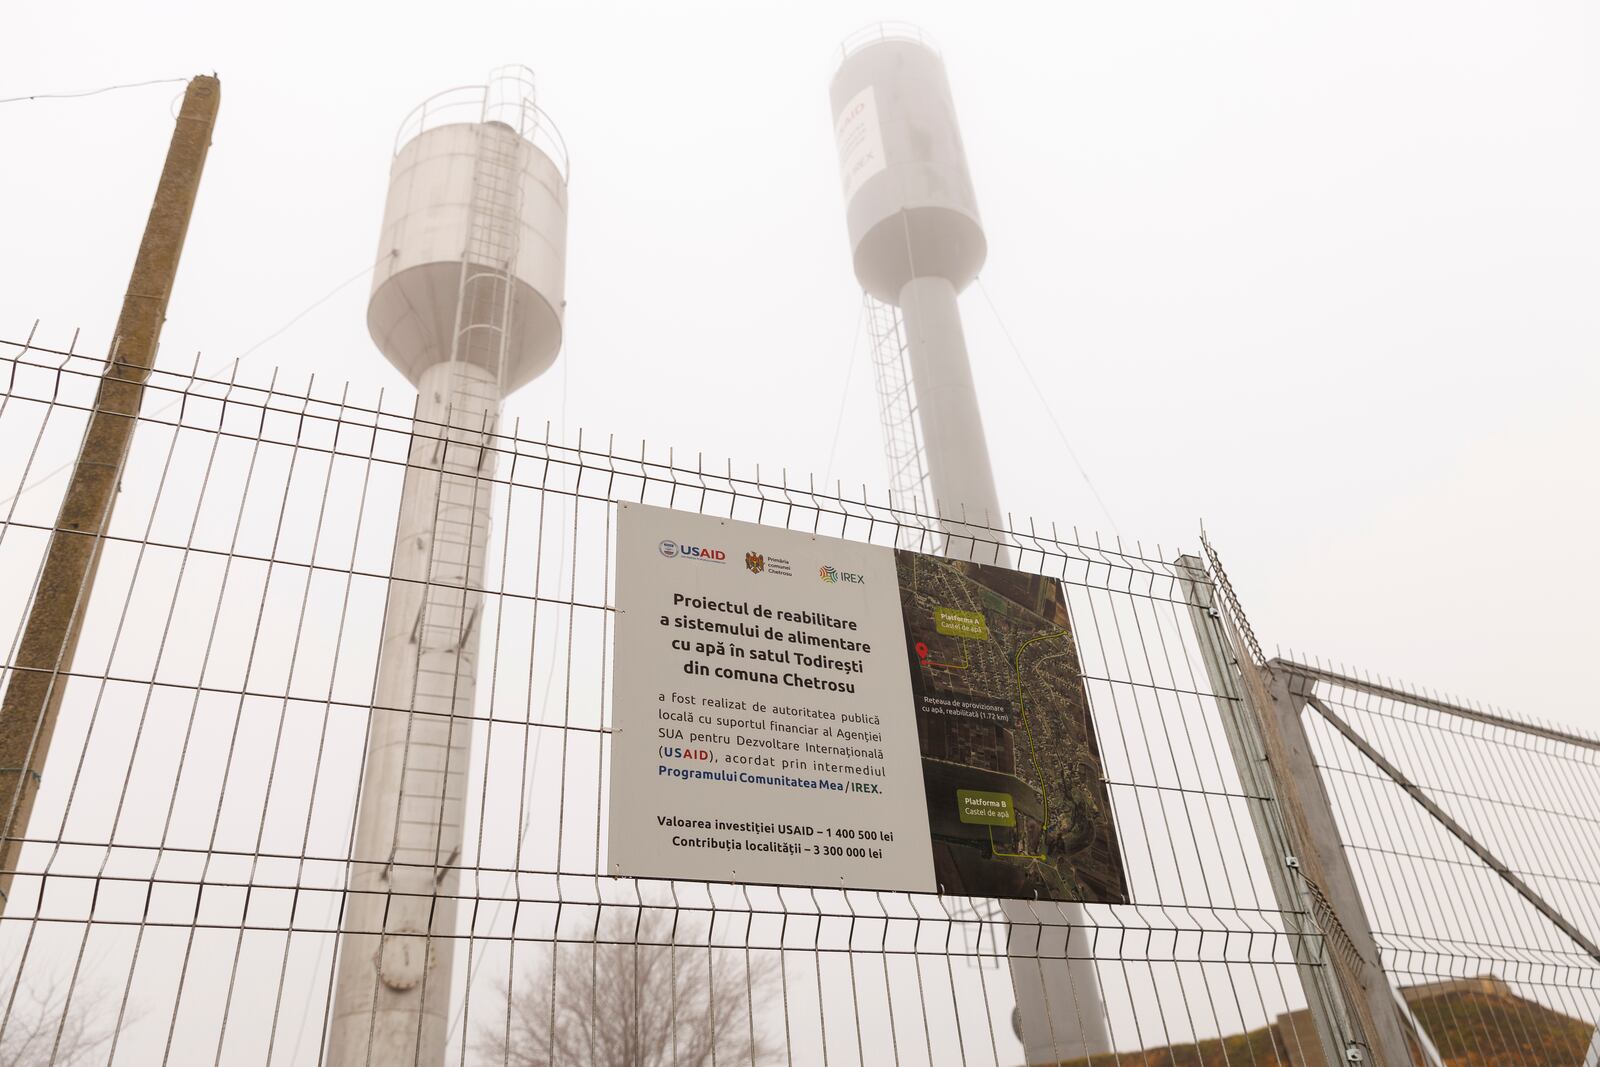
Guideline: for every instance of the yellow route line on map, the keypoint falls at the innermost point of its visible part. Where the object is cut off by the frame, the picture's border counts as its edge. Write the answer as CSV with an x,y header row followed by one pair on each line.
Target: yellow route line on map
x,y
1033,755
966,659
1012,855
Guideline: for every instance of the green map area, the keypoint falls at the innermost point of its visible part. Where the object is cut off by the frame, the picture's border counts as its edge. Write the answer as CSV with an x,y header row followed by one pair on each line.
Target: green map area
x,y
1016,795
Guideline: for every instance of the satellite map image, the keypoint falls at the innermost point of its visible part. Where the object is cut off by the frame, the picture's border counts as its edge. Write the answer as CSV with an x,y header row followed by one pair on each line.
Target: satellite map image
x,y
1016,796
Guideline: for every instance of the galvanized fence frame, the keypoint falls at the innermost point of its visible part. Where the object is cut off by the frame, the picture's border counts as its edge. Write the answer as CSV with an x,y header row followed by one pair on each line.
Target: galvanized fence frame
x,y
185,869
1430,818
1473,837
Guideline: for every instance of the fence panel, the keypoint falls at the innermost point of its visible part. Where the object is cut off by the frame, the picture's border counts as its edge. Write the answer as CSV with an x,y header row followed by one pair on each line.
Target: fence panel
x,y
179,889
1475,838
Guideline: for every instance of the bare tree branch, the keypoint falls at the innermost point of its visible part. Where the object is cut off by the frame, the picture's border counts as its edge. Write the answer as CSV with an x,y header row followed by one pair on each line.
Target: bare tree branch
x,y
46,1023
636,1000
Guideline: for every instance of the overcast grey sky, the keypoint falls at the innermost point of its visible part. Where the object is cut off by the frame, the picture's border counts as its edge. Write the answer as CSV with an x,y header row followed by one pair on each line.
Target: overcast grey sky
x,y
1322,276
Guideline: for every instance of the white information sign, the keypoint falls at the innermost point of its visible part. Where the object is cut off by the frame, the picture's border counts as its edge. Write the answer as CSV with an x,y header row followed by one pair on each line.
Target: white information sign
x,y
860,140
798,710
764,728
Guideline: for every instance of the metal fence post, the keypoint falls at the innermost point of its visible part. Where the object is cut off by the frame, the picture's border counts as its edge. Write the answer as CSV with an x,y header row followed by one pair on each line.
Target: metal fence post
x,y
1349,997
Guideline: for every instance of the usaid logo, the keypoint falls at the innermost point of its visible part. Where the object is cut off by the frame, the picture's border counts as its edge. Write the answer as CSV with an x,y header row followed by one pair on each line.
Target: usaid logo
x,y
673,549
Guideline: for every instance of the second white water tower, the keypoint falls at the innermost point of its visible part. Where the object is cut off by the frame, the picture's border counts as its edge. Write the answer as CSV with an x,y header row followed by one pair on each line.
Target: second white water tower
x,y
916,242
467,304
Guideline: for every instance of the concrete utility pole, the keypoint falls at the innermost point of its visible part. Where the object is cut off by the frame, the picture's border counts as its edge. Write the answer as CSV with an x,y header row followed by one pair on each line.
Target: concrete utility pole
x,y
1352,1004
1368,993
1246,744
55,618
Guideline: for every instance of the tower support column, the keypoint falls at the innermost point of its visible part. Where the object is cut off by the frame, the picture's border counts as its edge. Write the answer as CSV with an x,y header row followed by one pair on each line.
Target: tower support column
x,y
1059,1002
392,993
959,472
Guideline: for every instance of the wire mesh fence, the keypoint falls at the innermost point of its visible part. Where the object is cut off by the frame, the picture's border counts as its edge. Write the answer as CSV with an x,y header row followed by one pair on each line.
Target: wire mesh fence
x,y
178,891
1475,839
180,884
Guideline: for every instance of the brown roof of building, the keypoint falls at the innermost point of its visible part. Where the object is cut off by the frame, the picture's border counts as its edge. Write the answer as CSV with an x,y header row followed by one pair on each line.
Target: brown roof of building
x,y
1477,1022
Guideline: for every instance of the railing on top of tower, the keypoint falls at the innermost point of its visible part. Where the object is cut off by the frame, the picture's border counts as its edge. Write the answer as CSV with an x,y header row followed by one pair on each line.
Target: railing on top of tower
x,y
874,32
507,97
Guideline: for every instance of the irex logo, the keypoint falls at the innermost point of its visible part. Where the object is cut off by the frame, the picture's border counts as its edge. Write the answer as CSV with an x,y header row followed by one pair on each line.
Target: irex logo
x,y
834,577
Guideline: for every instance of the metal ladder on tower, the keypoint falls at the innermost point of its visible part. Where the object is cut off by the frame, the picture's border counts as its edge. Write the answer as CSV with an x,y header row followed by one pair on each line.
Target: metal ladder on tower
x,y
494,239
978,921
447,616
898,416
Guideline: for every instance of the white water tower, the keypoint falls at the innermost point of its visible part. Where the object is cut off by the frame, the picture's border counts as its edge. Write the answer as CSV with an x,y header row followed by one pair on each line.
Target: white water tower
x,y
916,241
467,304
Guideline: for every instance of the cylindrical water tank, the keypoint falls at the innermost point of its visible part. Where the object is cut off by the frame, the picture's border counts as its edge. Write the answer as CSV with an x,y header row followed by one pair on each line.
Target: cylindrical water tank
x,y
909,202
467,304
917,241
477,208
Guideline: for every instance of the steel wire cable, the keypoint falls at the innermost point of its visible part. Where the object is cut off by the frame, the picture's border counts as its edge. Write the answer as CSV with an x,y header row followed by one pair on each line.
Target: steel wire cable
x,y
92,92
